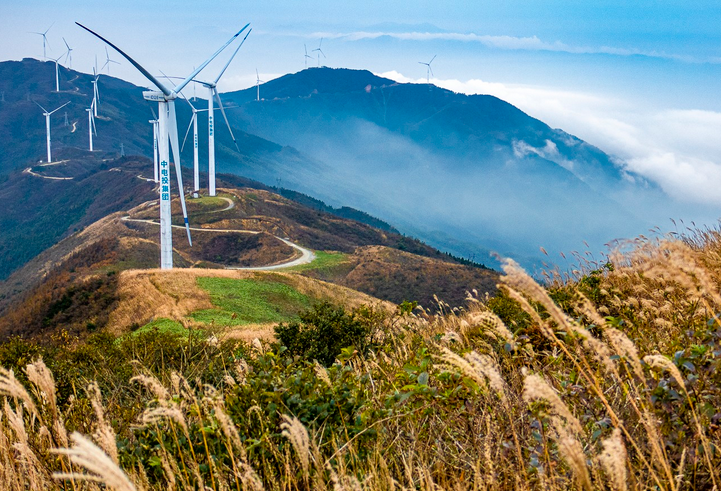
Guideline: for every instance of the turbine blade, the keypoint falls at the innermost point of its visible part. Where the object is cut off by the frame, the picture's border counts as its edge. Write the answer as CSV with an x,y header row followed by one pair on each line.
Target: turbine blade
x,y
59,108
167,78
155,116
188,130
430,70
173,133
137,65
92,118
231,58
201,67
66,44
434,57
41,107
222,110
191,106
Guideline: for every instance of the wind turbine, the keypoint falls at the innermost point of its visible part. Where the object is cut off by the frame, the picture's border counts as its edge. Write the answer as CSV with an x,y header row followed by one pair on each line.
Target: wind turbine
x,y
45,38
57,77
69,54
213,91
306,55
167,131
108,61
429,72
47,126
91,125
320,51
258,81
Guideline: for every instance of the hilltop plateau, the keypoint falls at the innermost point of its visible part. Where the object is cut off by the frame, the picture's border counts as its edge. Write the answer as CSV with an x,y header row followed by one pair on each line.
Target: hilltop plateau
x,y
94,278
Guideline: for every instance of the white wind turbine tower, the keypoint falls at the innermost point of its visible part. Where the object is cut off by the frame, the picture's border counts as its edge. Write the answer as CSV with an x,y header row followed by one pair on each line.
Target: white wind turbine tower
x,y
47,126
69,55
213,92
91,125
155,122
57,77
306,55
167,131
108,61
45,38
258,81
196,163
429,71
320,51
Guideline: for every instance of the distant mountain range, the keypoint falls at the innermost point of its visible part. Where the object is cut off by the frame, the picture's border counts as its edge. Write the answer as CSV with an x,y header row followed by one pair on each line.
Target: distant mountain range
x,y
467,174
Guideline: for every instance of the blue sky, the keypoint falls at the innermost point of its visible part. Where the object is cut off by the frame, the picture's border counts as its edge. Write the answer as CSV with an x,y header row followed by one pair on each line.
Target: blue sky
x,y
640,79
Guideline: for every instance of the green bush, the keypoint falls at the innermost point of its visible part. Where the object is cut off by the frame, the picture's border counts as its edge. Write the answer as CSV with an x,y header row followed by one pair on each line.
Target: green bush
x,y
322,332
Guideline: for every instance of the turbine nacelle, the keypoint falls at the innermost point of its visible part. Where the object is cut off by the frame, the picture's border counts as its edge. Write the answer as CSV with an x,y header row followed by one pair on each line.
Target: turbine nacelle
x,y
155,96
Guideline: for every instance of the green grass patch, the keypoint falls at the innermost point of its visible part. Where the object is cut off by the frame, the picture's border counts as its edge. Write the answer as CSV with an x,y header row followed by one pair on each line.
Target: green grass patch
x,y
324,262
206,203
249,301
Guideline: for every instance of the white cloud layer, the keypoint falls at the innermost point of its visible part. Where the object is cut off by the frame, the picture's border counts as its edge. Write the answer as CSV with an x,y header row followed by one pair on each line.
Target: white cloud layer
x,y
678,149
527,43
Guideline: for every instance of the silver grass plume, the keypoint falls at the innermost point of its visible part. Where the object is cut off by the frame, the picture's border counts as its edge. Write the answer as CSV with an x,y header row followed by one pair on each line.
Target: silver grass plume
x,y
104,433
294,431
100,467
613,460
477,367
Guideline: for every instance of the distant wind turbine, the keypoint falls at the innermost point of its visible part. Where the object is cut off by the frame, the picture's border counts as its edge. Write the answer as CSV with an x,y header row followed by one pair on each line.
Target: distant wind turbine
x,y
96,93
68,55
57,76
47,126
258,81
429,72
213,93
45,38
320,51
108,61
306,55
91,125
168,133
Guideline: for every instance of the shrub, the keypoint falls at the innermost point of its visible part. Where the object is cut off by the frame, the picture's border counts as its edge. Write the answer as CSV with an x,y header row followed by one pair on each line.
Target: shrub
x,y
322,332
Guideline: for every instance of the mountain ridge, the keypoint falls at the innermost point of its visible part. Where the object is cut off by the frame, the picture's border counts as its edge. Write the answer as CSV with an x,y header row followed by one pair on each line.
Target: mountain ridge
x,y
468,174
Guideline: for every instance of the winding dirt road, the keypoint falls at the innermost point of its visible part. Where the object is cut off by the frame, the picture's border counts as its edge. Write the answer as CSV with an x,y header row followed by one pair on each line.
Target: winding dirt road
x,y
306,255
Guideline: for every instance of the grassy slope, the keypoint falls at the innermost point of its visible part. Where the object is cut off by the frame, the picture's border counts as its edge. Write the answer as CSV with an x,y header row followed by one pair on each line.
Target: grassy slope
x,y
250,301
